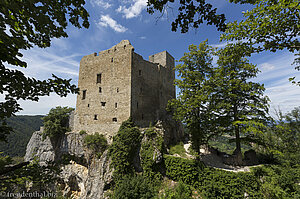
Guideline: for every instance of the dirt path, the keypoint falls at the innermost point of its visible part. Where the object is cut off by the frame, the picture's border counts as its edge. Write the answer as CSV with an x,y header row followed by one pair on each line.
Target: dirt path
x,y
215,161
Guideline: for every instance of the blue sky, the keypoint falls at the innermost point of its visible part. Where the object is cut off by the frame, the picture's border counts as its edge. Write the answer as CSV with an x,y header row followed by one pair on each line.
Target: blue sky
x,y
112,21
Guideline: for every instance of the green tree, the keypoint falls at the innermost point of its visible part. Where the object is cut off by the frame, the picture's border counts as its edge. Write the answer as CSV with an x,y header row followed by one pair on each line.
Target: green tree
x,y
134,187
192,13
240,102
282,142
219,99
56,123
192,105
97,143
15,179
270,26
24,24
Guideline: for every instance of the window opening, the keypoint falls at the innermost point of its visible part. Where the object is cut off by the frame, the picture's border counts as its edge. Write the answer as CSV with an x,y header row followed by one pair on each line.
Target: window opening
x,y
142,116
140,72
114,119
103,103
100,90
95,117
88,105
117,90
112,59
83,94
99,78
116,105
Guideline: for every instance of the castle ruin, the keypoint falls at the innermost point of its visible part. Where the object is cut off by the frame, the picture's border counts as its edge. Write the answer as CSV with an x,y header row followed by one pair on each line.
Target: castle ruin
x,y
118,83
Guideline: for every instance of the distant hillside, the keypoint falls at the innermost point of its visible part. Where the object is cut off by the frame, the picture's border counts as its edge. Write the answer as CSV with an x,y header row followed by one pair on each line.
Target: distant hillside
x,y
24,126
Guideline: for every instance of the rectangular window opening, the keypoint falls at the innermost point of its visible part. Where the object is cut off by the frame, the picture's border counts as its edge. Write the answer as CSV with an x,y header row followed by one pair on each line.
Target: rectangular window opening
x,y
100,90
99,78
114,119
117,90
83,94
103,103
88,105
116,105
142,116
140,72
112,59
95,117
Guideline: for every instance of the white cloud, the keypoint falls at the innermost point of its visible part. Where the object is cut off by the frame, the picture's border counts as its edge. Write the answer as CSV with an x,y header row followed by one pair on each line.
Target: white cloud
x,y
222,45
275,74
41,64
101,3
106,21
45,103
267,66
134,10
284,96
142,37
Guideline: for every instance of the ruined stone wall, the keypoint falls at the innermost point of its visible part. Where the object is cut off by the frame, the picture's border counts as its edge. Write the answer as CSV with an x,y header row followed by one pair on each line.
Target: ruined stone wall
x,y
166,64
118,83
145,90
152,87
105,87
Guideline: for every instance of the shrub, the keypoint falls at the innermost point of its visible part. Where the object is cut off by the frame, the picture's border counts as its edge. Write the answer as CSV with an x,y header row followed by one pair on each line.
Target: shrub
x,y
181,191
123,149
134,187
97,143
178,149
151,147
82,132
185,170
213,183
216,183
56,123
278,181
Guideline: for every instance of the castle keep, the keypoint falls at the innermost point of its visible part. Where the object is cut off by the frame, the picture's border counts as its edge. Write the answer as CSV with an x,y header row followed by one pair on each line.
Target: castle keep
x,y
118,83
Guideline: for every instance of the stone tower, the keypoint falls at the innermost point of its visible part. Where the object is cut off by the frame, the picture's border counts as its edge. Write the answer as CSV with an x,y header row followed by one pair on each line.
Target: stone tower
x,y
118,83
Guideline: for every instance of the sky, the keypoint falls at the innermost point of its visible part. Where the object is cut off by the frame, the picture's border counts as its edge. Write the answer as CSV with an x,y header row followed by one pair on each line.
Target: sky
x,y
112,21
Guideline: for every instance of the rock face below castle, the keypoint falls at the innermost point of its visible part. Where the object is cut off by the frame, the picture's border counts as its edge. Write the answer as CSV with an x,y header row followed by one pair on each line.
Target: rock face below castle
x,y
117,83
86,176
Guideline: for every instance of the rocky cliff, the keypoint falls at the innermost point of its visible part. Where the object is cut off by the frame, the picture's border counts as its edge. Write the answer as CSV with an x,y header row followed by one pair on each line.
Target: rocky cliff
x,y
84,175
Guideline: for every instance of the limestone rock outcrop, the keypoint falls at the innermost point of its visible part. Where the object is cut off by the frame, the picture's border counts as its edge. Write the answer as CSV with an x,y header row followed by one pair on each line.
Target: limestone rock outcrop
x,y
81,177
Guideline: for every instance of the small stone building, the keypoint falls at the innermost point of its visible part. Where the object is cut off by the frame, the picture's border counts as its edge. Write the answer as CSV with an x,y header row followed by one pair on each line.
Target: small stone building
x,y
118,83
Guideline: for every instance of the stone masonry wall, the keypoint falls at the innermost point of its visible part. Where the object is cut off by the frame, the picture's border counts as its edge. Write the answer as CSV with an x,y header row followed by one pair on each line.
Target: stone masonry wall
x,y
107,98
118,83
145,86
